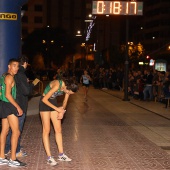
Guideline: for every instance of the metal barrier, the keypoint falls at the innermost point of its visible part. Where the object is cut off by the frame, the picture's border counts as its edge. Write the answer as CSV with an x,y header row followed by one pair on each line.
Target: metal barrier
x,y
38,88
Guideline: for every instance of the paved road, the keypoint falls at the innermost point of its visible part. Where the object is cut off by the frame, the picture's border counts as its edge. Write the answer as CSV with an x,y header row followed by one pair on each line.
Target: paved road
x,y
104,133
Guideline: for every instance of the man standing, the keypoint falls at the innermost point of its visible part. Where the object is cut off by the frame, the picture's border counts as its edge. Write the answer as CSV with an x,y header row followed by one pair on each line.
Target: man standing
x,y
10,110
24,89
148,77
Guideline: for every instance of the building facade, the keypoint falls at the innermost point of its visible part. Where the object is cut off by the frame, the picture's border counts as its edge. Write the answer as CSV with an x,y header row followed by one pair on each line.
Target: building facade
x,y
71,16
152,30
34,16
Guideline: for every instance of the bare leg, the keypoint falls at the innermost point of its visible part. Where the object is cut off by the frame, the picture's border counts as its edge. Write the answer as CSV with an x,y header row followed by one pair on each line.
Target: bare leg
x,y
14,124
4,133
45,118
58,131
85,91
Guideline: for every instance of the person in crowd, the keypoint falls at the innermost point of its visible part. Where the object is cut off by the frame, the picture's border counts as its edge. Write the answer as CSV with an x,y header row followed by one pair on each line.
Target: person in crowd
x,y
148,78
131,84
85,80
140,86
9,112
155,83
24,89
161,81
58,75
50,112
166,86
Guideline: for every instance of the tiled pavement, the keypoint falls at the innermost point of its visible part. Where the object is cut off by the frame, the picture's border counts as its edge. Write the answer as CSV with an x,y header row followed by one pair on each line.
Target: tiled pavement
x,y
100,134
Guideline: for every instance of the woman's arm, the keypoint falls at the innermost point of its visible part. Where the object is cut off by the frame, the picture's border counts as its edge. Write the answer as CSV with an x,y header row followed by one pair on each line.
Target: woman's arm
x,y
65,100
88,77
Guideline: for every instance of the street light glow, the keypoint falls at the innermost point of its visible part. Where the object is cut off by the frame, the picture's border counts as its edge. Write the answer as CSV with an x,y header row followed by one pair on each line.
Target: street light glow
x,y
83,44
78,33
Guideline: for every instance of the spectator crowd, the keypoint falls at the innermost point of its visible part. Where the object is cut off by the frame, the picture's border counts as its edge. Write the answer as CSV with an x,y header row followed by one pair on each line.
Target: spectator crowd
x,y
147,84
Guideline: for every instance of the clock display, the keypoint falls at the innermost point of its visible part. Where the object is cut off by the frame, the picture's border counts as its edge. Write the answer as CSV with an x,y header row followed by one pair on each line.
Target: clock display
x,y
117,7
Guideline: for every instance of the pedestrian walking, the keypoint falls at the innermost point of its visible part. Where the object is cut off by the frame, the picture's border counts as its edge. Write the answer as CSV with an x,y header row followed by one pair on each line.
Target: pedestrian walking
x,y
50,112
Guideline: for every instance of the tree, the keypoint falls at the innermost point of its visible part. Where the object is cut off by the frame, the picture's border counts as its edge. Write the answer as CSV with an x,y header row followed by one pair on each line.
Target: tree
x,y
52,43
136,52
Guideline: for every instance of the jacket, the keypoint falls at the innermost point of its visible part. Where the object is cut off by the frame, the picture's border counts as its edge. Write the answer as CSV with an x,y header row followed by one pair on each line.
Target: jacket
x,y
24,89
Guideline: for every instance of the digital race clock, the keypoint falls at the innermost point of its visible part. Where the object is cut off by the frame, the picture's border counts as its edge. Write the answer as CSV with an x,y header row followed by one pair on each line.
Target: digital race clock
x,y
117,7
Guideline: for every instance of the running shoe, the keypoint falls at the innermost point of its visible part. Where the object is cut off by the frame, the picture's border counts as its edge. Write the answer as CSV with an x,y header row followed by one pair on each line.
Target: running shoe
x,y
3,161
16,163
64,157
51,161
7,153
21,154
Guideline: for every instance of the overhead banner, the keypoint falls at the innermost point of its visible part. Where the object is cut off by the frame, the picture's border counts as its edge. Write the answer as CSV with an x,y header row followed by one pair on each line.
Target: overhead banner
x,y
10,31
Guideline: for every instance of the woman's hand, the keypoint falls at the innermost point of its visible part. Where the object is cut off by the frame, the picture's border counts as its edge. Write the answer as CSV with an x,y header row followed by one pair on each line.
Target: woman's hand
x,y
20,112
60,109
60,115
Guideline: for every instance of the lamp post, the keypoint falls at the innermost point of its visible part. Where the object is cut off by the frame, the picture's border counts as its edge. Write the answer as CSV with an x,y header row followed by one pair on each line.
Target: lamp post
x,y
78,46
48,46
126,63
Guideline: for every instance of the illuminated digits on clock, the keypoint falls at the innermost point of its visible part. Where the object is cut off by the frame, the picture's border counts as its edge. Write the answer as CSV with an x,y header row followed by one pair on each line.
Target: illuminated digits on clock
x,y
116,8
127,7
100,7
135,9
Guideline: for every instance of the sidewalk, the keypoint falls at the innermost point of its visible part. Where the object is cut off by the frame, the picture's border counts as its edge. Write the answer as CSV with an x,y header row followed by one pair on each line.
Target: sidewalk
x,y
33,106
155,107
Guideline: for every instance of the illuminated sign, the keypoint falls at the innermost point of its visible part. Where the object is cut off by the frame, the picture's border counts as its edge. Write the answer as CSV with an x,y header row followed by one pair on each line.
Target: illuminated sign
x,y
117,8
8,16
152,62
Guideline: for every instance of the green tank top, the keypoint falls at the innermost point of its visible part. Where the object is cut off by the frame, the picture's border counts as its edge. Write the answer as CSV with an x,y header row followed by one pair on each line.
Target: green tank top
x,y
3,90
57,93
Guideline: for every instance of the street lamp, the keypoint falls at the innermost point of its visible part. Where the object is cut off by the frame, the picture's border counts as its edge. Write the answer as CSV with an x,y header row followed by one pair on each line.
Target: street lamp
x,y
78,33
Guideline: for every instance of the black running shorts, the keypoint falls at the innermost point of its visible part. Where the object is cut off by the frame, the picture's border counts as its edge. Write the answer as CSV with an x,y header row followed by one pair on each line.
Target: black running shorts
x,y
7,109
43,107
86,85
